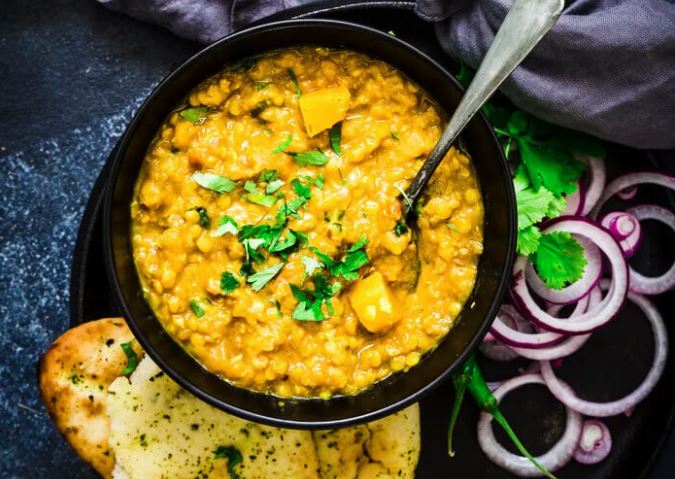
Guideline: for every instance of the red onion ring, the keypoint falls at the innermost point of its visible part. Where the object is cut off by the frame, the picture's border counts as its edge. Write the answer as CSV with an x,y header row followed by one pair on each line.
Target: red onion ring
x,y
652,284
571,344
596,316
575,201
513,337
566,395
598,175
627,194
554,459
595,442
575,291
626,230
632,179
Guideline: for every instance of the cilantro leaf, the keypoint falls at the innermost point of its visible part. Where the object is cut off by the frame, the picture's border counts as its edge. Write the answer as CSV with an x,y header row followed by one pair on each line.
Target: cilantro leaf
x,y
554,169
528,240
132,358
228,282
226,225
532,206
319,181
360,243
261,199
233,457
559,259
315,158
260,279
288,242
283,145
274,186
394,135
204,220
197,308
195,114
314,313
323,257
300,189
310,264
335,136
214,182
268,175
294,79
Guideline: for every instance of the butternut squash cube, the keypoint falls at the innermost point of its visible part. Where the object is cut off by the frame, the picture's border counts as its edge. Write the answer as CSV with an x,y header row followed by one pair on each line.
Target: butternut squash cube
x,y
374,303
323,108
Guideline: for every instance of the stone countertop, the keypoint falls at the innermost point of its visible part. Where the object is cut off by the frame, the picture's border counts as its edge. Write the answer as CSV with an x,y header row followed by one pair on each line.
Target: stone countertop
x,y
71,75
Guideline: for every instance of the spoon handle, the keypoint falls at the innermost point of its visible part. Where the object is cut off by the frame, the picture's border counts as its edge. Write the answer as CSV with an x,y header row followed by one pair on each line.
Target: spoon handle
x,y
525,24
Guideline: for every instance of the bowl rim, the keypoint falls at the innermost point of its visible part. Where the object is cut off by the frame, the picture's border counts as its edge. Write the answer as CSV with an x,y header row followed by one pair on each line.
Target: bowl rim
x,y
119,297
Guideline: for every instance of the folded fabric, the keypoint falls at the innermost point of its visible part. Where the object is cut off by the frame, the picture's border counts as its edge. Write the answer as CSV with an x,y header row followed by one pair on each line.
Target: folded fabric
x,y
607,67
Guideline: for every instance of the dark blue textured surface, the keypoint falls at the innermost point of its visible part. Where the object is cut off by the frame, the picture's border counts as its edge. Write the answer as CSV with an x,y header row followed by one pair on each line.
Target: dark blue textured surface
x,y
71,74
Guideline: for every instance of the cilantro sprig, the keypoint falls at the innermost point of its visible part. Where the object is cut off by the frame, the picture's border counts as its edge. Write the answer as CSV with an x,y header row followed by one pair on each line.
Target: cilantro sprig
x,y
546,170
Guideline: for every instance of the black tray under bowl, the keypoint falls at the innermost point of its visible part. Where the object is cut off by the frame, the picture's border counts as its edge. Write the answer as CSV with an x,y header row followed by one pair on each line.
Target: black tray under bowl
x,y
611,364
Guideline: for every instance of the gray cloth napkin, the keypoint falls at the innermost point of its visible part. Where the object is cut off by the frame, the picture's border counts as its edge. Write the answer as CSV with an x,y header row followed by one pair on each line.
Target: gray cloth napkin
x,y
606,68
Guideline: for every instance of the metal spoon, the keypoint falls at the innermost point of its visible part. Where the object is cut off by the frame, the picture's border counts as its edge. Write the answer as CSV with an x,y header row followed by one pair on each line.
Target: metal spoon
x,y
525,24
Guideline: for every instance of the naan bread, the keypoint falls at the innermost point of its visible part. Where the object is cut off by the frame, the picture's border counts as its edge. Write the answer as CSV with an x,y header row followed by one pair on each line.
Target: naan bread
x,y
120,425
158,430
74,375
384,449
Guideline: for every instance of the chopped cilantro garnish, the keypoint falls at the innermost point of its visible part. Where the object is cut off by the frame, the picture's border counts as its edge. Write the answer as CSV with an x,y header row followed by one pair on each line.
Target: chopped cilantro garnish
x,y
288,242
261,199
310,302
559,259
233,457
395,136
226,225
132,358
268,175
301,189
197,308
335,135
228,282
310,264
195,114
261,278
204,220
319,181
274,186
314,158
454,228
261,85
283,145
294,79
214,182
348,266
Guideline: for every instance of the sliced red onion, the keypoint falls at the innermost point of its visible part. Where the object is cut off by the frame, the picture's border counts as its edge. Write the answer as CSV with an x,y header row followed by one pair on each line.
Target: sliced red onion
x,y
575,201
559,455
514,337
652,284
595,442
566,395
572,343
628,193
632,179
576,290
626,230
596,316
497,351
596,167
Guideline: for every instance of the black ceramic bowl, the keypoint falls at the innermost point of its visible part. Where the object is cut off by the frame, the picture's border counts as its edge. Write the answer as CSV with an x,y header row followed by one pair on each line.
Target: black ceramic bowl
x,y
395,392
